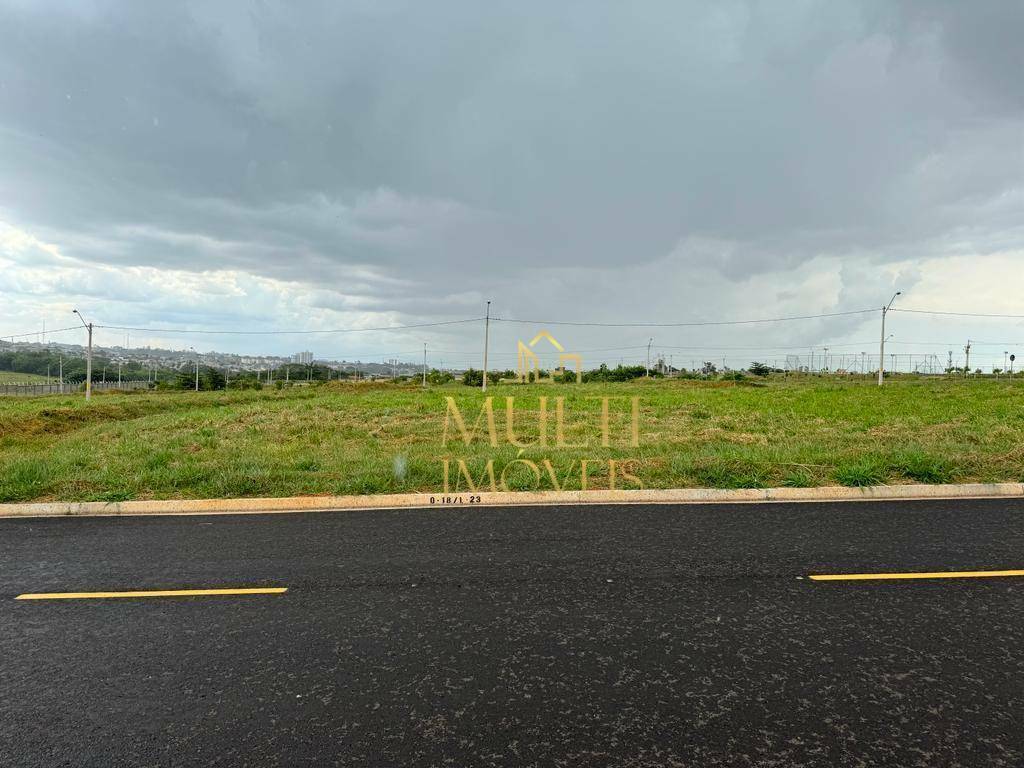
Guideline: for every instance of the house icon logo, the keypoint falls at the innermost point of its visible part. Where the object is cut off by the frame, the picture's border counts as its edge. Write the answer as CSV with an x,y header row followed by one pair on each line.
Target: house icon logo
x,y
528,362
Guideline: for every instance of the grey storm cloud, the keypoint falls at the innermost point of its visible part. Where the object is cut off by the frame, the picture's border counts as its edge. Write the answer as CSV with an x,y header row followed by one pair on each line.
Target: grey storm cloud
x,y
416,158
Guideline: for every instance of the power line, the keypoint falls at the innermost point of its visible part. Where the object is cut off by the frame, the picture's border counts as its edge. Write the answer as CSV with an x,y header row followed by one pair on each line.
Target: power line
x,y
957,314
684,325
38,333
691,324
289,332
770,348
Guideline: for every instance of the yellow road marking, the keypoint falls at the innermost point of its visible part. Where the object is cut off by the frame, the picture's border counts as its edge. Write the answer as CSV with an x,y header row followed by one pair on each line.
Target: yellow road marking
x,y
150,593
929,575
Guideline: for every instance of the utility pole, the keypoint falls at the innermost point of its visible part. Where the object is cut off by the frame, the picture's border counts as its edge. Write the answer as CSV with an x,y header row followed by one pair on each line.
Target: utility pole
x,y
118,375
62,374
949,361
487,338
197,368
1005,360
881,346
649,342
88,356
424,364
967,360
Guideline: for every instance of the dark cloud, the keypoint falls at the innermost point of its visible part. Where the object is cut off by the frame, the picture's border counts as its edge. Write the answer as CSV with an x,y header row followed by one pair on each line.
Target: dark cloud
x,y
413,158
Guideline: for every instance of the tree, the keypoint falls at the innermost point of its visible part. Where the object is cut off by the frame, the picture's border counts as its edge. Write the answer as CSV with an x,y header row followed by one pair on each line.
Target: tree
x,y
435,376
759,369
210,378
185,378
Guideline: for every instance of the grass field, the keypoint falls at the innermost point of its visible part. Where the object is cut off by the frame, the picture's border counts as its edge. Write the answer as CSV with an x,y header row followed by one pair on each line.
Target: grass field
x,y
9,377
363,438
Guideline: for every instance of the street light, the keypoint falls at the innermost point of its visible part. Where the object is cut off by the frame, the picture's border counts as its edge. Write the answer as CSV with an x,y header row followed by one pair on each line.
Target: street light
x,y
88,356
881,346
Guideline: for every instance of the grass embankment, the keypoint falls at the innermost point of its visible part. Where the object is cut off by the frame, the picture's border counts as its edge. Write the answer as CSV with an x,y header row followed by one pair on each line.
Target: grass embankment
x,y
348,438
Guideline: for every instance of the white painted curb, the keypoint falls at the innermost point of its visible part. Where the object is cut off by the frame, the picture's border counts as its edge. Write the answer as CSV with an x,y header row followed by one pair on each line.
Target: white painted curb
x,y
420,500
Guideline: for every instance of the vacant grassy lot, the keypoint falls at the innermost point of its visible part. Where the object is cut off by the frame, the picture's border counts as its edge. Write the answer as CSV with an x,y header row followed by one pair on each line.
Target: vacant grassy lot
x,y
352,438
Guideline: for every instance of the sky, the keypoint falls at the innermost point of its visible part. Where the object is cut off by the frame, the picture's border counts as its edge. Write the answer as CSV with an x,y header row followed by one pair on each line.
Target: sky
x,y
344,165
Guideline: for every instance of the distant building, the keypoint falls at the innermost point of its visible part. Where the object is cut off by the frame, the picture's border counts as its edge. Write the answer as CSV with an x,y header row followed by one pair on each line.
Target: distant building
x,y
302,358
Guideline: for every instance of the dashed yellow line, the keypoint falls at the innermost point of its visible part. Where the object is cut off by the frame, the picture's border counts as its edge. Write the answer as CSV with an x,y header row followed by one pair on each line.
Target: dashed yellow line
x,y
151,593
927,575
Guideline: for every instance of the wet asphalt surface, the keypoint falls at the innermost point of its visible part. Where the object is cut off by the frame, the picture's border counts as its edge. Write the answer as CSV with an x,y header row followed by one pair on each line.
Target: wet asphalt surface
x,y
558,636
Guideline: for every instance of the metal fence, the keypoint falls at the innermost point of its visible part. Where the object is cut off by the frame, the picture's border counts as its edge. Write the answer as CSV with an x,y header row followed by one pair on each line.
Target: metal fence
x,y
67,388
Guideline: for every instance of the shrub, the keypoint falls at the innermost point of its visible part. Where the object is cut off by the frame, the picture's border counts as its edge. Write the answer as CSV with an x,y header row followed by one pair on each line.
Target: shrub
x,y
435,376
475,378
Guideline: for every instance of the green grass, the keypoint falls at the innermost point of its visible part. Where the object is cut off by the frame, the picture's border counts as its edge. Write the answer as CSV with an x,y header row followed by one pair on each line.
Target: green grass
x,y
360,438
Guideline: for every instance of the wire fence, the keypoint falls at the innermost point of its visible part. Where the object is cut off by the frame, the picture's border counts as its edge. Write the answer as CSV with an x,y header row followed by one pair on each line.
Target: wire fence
x,y
67,388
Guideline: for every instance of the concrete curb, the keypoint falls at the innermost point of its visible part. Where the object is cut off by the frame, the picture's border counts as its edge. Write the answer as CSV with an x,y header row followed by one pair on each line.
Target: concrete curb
x,y
412,500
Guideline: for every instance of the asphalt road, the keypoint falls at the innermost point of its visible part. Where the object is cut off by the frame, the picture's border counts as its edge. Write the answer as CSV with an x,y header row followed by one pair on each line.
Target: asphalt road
x,y
568,636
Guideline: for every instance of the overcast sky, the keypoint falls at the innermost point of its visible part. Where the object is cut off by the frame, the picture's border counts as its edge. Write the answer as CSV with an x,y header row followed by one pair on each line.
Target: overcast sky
x,y
258,166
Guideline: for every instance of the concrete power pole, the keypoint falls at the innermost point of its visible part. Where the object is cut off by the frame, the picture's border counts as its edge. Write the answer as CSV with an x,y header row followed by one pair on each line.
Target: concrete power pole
x,y
487,339
648,367
88,356
424,364
967,360
881,346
